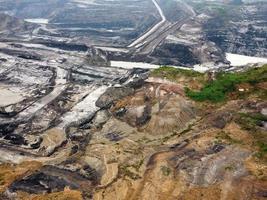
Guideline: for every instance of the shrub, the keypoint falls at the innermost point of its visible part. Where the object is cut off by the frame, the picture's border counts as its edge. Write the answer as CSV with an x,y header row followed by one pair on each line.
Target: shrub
x,y
172,73
225,83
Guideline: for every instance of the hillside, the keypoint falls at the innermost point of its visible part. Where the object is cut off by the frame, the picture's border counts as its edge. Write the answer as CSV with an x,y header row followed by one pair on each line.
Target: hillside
x,y
153,135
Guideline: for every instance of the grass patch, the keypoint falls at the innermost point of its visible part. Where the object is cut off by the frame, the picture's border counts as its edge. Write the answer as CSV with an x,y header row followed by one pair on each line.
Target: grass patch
x,y
125,171
261,154
225,136
251,122
166,171
138,165
261,145
2,179
172,73
229,167
128,170
262,149
165,139
145,140
226,83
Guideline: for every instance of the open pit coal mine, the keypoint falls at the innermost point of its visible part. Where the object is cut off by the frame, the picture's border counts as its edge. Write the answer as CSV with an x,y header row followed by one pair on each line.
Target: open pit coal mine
x,y
87,113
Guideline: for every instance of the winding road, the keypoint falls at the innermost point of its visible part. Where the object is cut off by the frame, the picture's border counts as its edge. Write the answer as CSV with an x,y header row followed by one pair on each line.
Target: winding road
x,y
146,43
153,29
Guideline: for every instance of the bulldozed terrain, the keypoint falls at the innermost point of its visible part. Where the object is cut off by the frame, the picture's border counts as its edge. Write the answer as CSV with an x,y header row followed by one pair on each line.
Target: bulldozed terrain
x,y
90,108
149,139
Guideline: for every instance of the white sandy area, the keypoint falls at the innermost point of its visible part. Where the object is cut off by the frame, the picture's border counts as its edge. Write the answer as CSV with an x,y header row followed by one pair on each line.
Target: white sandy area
x,y
237,60
37,20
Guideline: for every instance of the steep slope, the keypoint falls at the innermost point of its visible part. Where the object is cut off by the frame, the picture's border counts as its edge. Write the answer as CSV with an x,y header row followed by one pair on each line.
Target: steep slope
x,y
12,25
148,140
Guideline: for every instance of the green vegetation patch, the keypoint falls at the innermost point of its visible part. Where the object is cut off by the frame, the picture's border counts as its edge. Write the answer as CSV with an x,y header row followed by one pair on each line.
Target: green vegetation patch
x,y
230,167
126,171
2,179
226,137
166,171
251,122
225,83
262,152
173,73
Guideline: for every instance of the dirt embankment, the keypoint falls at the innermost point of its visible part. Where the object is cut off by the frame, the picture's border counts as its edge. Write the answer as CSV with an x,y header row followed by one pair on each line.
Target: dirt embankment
x,y
153,142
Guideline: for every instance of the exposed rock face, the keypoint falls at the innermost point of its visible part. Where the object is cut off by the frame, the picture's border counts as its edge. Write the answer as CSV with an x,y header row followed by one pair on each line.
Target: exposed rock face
x,y
234,27
155,110
176,114
170,51
188,46
183,163
67,19
97,57
15,139
9,25
21,54
50,179
112,94
211,169
51,140
101,118
221,120
148,138
245,34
